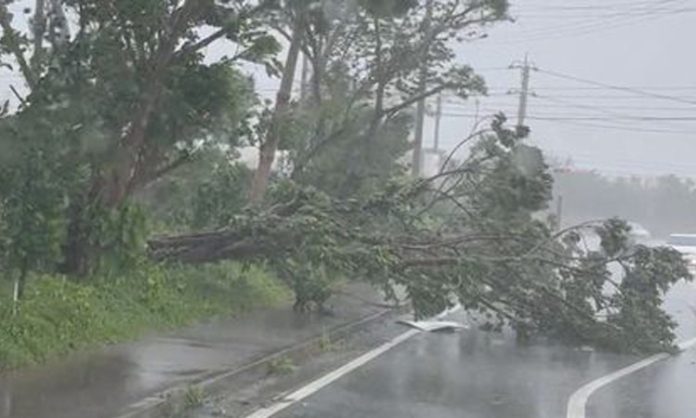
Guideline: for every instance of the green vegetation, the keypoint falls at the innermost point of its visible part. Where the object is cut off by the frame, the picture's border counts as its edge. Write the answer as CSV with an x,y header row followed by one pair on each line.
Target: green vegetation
x,y
326,344
193,397
58,315
281,366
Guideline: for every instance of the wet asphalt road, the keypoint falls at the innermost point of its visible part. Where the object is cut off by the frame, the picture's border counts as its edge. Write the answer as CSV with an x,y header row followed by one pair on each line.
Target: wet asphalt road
x,y
667,390
663,390
473,374
466,374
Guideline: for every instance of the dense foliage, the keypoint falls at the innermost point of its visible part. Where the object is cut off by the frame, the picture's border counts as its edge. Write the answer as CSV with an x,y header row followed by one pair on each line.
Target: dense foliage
x,y
203,194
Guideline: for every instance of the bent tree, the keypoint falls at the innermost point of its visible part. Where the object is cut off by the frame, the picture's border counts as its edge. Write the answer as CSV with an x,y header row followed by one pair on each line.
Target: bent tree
x,y
123,95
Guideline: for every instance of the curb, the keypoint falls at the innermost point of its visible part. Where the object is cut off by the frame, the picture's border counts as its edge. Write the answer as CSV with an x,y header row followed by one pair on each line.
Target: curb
x,y
171,401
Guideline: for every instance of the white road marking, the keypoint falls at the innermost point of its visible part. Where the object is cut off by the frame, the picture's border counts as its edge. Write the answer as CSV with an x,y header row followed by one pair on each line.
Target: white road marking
x,y
331,377
578,400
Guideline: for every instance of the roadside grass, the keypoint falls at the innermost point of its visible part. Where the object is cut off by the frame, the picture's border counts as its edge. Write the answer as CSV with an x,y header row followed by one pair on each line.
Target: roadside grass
x,y
193,397
327,344
281,366
58,316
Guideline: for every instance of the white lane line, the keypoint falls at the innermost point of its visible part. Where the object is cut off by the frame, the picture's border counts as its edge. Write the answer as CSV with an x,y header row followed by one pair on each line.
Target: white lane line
x,y
331,377
578,400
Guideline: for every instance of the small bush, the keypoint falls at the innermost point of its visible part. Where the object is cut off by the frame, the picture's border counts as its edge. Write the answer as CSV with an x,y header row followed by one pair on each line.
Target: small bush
x,y
193,397
327,344
281,366
312,285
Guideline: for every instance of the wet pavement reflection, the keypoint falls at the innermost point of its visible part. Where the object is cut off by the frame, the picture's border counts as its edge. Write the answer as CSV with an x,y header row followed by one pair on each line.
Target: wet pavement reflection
x,y
663,390
466,374
481,375
101,383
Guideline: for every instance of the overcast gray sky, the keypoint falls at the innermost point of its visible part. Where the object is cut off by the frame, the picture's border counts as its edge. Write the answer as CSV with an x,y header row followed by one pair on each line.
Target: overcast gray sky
x,y
643,44
647,45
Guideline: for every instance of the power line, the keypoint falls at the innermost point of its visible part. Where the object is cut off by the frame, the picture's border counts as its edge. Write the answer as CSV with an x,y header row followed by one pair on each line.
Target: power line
x,y
563,103
618,88
605,96
591,114
647,108
592,88
611,119
626,118
609,97
615,15
621,128
593,25
583,122
607,14
602,5
554,102
569,104
598,118
616,115
587,28
634,8
493,69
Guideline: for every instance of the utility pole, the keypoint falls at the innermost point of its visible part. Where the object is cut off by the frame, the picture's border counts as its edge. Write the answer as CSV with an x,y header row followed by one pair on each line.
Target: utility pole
x,y
524,91
304,78
420,107
559,212
438,116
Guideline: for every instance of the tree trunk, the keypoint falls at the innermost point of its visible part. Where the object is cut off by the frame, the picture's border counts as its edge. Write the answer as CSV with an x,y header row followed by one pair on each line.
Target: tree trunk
x,y
422,86
38,31
268,148
22,280
79,249
76,249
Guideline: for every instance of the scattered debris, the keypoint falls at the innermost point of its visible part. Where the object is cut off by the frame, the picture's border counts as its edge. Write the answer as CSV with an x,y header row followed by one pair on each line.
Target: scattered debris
x,y
219,412
434,326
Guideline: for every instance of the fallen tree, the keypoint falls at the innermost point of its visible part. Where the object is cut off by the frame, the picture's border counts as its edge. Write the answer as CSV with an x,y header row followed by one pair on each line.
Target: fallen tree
x,y
470,234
